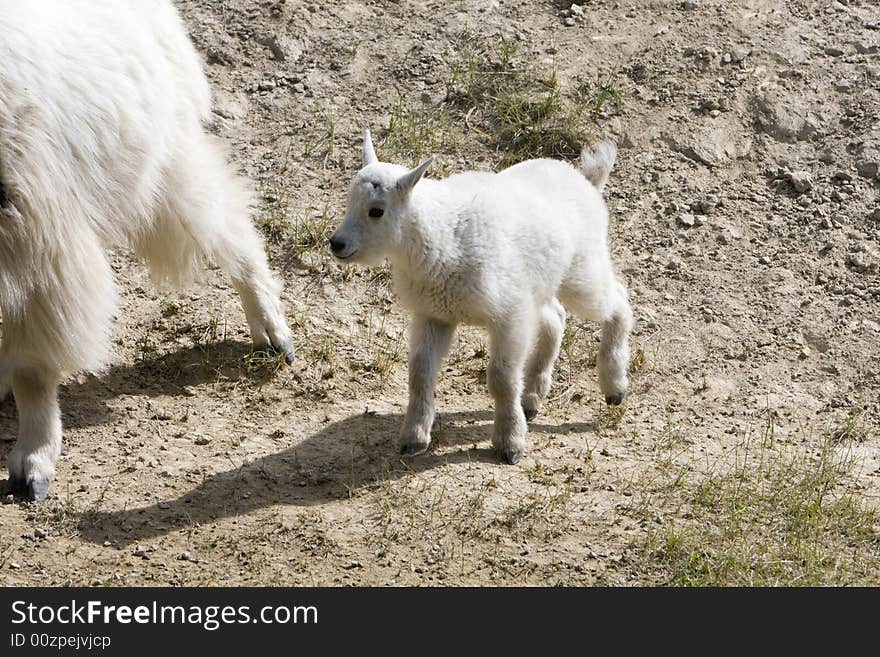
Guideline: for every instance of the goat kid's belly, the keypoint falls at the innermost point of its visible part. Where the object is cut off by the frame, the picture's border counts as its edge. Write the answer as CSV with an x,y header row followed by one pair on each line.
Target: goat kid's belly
x,y
453,303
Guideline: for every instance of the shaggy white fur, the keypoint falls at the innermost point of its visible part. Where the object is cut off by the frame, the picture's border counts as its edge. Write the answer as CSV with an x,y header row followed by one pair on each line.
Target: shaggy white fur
x,y
102,106
506,251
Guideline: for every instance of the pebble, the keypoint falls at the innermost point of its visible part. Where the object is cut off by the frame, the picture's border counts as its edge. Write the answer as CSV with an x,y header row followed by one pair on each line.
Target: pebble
x,y
185,556
686,220
708,204
570,22
802,181
857,262
201,440
868,168
40,533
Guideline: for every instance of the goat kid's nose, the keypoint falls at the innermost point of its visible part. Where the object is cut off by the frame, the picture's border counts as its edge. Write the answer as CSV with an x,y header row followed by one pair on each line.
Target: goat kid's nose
x,y
336,244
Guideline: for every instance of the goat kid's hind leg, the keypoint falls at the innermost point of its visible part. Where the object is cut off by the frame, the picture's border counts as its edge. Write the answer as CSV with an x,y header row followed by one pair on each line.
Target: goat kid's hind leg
x,y
510,345
539,370
32,460
429,343
608,305
614,356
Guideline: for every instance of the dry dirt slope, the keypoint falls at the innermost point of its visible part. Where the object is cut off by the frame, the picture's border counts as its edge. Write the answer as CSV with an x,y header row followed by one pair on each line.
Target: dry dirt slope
x,y
749,450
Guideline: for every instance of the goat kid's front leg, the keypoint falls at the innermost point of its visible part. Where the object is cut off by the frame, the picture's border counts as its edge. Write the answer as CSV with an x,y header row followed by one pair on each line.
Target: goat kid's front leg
x,y
429,342
32,460
510,346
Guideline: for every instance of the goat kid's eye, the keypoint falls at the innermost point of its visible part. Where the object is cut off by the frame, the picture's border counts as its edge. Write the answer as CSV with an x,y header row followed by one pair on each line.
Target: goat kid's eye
x,y
375,213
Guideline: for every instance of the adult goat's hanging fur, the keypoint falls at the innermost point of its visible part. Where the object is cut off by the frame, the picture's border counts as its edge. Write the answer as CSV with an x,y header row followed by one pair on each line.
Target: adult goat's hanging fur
x,y
102,143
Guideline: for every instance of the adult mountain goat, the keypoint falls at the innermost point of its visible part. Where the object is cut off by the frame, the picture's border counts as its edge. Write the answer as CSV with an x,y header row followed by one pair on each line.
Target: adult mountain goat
x,y
505,251
102,106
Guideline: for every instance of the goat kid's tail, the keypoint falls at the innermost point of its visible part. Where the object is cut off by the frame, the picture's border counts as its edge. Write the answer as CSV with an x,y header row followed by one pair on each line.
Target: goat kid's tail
x,y
597,162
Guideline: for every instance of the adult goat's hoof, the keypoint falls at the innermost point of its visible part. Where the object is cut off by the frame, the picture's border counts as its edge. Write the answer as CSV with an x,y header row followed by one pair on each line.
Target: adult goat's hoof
x,y
512,457
412,449
285,348
38,489
615,400
35,489
14,486
530,413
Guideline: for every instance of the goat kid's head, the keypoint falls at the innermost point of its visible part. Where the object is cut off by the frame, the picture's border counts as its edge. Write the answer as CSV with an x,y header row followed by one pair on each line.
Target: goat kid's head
x,y
377,199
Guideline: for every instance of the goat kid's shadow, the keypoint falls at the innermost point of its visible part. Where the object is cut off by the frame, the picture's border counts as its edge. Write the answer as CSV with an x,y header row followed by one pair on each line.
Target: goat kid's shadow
x,y
345,456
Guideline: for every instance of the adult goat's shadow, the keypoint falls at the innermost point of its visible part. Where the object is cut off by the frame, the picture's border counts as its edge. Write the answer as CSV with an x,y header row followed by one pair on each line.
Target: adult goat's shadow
x,y
330,465
83,401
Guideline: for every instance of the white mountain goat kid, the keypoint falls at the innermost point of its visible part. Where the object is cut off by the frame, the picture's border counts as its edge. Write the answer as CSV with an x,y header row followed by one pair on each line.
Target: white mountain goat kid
x,y
505,251
102,106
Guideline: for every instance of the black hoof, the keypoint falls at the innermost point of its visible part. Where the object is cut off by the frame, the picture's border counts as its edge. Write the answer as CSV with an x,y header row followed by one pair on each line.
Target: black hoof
x,y
615,400
286,349
512,457
411,449
36,489
530,413
14,486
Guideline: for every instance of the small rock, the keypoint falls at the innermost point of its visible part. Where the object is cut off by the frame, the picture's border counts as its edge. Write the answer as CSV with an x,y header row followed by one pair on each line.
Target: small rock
x,y
857,261
708,204
14,565
570,22
875,215
686,220
201,440
804,353
802,181
185,556
738,54
40,533
868,168
833,51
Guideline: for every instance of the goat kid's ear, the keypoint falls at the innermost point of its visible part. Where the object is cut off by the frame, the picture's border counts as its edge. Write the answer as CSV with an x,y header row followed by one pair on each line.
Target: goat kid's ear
x,y
408,180
369,151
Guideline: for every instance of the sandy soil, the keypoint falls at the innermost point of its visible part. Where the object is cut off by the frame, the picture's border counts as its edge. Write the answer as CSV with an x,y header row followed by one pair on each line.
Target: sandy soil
x,y
186,463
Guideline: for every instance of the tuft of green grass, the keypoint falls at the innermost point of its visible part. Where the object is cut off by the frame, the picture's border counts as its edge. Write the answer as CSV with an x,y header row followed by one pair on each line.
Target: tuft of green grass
x,y
851,426
262,364
773,513
320,144
60,517
599,96
522,108
415,134
169,308
311,230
